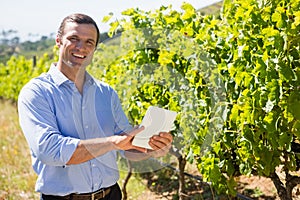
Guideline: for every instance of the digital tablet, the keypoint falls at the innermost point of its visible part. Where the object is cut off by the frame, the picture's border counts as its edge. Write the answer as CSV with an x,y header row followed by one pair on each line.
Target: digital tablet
x,y
156,120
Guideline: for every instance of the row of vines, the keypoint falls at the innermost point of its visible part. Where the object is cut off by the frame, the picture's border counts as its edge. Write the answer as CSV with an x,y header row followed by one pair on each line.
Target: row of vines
x,y
234,80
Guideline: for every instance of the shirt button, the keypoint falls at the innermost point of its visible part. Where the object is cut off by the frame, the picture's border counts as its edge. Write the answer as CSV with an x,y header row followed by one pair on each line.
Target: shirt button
x,y
86,126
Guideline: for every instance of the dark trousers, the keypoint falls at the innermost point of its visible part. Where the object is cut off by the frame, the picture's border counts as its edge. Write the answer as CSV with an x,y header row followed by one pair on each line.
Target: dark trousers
x,y
115,194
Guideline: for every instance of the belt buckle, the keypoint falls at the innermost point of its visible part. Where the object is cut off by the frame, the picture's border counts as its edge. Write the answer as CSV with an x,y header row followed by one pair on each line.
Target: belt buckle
x,y
103,195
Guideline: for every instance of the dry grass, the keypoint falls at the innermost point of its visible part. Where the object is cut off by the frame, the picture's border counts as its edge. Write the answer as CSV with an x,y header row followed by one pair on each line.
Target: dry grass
x,y
17,177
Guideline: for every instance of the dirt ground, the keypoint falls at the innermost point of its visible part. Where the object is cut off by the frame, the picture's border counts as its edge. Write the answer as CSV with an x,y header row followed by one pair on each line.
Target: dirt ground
x,y
254,187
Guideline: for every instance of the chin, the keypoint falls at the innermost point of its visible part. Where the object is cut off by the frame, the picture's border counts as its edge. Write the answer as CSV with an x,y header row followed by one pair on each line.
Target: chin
x,y
73,65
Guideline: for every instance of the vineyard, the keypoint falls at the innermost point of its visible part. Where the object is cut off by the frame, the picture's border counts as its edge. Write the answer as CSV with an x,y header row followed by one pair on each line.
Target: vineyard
x,y
233,79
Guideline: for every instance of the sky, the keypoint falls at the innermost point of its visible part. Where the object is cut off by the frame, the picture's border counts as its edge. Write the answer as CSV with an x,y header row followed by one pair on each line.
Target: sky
x,y
41,18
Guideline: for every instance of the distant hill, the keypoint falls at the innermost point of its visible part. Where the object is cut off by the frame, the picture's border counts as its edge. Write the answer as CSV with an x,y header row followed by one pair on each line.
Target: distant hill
x,y
12,47
213,9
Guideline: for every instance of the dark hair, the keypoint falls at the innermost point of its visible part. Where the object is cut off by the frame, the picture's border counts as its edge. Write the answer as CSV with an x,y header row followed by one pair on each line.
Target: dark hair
x,y
79,19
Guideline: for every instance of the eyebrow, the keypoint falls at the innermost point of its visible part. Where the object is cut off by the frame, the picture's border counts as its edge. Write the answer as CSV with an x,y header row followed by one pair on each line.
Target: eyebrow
x,y
91,40
76,36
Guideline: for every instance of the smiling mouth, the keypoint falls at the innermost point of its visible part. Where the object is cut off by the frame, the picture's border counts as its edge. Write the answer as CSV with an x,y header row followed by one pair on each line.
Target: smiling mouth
x,y
78,56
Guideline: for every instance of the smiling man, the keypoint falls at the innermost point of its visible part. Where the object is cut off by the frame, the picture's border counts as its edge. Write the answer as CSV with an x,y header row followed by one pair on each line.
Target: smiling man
x,y
74,124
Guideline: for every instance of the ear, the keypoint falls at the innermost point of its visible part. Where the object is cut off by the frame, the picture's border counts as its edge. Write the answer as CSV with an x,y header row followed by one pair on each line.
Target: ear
x,y
58,41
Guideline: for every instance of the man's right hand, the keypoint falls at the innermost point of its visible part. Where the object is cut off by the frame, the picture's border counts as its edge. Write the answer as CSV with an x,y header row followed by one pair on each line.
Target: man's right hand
x,y
124,140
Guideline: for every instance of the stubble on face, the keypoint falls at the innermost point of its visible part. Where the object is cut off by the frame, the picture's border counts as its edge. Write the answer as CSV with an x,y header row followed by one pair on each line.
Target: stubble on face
x,y
77,47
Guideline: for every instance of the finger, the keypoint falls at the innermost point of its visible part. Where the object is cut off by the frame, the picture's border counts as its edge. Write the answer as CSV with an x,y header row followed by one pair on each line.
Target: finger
x,y
167,135
157,144
164,140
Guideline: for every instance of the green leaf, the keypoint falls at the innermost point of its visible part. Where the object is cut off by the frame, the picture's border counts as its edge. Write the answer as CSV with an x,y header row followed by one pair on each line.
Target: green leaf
x,y
266,166
113,28
285,140
297,19
269,121
276,17
107,18
285,72
234,112
189,11
296,129
293,104
129,12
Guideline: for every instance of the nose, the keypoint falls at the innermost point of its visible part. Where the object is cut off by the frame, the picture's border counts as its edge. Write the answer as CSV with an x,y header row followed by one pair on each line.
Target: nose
x,y
79,44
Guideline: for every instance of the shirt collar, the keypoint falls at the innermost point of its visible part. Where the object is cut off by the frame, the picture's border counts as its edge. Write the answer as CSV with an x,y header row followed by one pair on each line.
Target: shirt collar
x,y
59,78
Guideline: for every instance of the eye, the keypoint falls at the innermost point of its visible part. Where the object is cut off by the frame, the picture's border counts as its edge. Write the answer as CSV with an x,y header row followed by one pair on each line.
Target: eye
x,y
73,39
90,42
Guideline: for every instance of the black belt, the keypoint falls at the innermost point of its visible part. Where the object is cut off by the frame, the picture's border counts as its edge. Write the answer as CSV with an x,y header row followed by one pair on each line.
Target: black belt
x,y
99,194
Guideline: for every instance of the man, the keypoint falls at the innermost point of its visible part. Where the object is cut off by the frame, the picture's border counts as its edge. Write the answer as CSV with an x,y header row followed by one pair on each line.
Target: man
x,y
74,124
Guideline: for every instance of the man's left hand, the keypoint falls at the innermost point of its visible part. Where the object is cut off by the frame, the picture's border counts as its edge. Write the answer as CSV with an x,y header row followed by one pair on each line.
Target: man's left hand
x,y
161,144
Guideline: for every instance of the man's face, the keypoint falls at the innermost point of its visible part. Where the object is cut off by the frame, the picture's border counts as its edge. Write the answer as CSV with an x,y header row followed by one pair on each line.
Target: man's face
x,y
77,45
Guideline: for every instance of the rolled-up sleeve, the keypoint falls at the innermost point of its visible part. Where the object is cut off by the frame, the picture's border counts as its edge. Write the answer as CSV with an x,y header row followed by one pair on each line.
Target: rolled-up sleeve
x,y
38,122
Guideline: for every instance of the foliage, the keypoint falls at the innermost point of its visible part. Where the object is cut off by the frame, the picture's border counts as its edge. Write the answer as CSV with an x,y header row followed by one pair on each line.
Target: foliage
x,y
234,82
258,56
237,110
17,72
164,65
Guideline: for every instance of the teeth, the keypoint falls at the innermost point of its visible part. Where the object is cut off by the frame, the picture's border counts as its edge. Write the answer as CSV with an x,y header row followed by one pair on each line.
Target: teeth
x,y
78,55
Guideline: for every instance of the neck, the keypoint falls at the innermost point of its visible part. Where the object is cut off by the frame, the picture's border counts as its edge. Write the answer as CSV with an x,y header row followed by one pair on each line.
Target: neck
x,y
77,75
79,79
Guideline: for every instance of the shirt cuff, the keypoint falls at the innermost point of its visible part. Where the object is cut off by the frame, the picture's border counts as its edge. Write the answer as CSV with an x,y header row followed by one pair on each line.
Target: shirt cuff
x,y
69,148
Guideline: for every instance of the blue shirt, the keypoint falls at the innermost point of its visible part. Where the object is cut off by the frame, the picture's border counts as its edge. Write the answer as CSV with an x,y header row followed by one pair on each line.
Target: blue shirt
x,y
54,117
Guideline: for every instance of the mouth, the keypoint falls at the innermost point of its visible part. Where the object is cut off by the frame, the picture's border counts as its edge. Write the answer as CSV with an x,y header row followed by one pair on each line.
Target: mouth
x,y
78,56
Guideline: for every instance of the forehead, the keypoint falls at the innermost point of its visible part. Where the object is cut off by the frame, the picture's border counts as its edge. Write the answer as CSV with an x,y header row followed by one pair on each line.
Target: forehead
x,y
81,30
